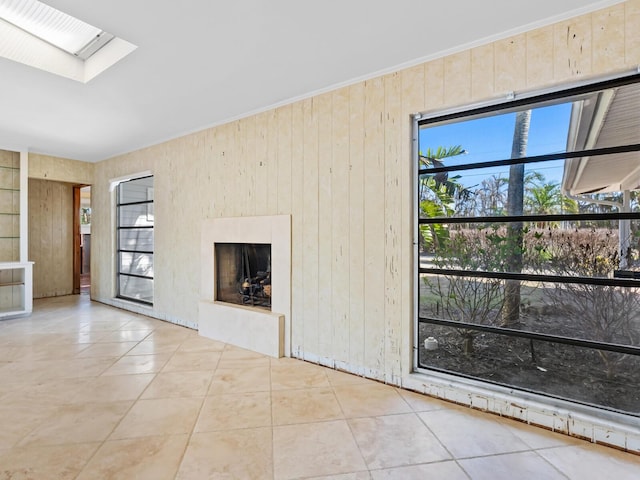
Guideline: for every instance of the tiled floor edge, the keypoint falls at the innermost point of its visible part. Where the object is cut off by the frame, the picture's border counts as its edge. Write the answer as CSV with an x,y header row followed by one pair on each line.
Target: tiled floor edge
x,y
607,428
144,310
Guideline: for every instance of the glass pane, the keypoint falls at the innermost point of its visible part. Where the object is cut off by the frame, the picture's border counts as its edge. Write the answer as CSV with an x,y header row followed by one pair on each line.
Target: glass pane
x,y
139,239
573,247
136,215
600,119
136,240
586,312
138,190
586,248
136,288
136,263
554,187
590,376
490,137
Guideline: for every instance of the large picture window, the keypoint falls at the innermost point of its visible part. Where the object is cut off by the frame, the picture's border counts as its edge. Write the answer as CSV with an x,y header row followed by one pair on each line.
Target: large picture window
x,y
528,232
134,209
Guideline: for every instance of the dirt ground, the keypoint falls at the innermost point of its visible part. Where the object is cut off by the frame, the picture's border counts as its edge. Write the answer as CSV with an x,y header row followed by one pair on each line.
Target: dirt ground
x,y
553,369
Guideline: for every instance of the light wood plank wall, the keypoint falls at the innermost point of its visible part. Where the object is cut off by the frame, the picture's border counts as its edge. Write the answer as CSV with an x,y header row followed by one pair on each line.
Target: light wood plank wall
x,y
51,237
51,220
46,167
340,164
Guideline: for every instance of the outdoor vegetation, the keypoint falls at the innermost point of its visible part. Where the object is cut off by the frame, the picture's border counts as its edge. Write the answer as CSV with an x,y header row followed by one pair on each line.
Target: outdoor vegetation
x,y
558,292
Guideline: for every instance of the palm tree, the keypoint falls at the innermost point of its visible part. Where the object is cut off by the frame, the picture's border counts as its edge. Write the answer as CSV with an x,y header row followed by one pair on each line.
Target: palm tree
x,y
438,192
439,181
515,204
545,199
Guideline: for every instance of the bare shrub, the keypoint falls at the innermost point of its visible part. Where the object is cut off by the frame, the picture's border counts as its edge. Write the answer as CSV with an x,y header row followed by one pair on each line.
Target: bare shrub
x,y
464,299
601,313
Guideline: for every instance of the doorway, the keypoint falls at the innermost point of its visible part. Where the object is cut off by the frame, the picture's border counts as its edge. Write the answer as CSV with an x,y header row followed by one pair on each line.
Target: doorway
x,y
82,240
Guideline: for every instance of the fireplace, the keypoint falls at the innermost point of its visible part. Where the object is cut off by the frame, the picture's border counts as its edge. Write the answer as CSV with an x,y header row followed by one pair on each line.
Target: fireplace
x,y
247,303
243,274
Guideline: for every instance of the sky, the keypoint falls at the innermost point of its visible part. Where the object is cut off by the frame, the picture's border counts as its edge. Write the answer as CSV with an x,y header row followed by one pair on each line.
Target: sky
x,y
490,138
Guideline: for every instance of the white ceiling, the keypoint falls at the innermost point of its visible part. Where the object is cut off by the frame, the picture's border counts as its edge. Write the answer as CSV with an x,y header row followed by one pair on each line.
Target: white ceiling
x,y
203,62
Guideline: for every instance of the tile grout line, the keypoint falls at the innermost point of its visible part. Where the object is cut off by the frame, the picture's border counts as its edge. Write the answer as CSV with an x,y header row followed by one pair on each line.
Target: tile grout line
x,y
453,457
346,420
197,417
555,467
106,439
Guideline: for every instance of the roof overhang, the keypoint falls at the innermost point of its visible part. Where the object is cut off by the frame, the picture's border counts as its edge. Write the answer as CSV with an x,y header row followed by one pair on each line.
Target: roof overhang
x,y
599,120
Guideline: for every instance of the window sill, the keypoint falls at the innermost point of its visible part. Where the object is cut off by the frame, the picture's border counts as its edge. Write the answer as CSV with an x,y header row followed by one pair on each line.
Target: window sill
x,y
581,421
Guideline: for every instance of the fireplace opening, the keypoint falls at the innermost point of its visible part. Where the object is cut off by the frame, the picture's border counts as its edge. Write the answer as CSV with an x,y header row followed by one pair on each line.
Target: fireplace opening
x,y
243,274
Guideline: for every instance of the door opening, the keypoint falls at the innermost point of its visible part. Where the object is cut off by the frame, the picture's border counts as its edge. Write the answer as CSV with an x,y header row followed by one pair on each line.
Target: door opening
x,y
82,240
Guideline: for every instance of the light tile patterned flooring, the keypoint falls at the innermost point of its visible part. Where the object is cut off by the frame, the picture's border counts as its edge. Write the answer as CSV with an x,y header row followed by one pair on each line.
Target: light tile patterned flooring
x,y
92,392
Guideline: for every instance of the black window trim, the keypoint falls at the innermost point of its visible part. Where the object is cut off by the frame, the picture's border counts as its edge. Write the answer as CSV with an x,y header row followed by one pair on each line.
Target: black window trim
x,y
505,105
119,250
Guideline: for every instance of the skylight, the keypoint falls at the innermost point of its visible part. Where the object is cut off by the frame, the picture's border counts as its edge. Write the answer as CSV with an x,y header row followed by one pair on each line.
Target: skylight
x,y
31,28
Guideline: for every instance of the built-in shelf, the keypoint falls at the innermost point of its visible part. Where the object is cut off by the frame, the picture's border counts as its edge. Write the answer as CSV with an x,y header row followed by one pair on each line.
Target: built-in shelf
x,y
16,272
16,289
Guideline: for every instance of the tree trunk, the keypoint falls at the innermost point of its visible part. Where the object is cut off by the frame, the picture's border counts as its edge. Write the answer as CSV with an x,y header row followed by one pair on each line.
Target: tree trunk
x,y
515,202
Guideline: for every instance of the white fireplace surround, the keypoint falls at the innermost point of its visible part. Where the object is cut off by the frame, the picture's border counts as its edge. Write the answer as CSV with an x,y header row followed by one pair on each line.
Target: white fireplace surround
x,y
248,327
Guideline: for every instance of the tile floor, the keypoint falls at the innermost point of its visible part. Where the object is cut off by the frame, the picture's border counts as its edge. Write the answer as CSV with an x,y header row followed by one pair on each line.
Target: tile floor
x,y
92,392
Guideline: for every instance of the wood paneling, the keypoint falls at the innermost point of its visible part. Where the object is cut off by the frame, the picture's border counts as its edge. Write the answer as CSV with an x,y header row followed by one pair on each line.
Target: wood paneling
x,y
284,115
340,251
510,67
393,270
411,97
51,237
374,227
262,166
248,164
483,80
433,85
310,229
272,161
608,39
539,51
356,226
297,222
572,44
457,78
340,164
631,29
325,227
58,169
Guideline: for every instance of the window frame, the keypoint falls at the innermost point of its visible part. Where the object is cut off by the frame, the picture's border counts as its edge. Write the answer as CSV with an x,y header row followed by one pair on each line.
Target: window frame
x,y
505,105
150,209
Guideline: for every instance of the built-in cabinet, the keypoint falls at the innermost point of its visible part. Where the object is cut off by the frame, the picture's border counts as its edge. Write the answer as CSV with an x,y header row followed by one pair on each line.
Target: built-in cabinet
x,y
16,272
